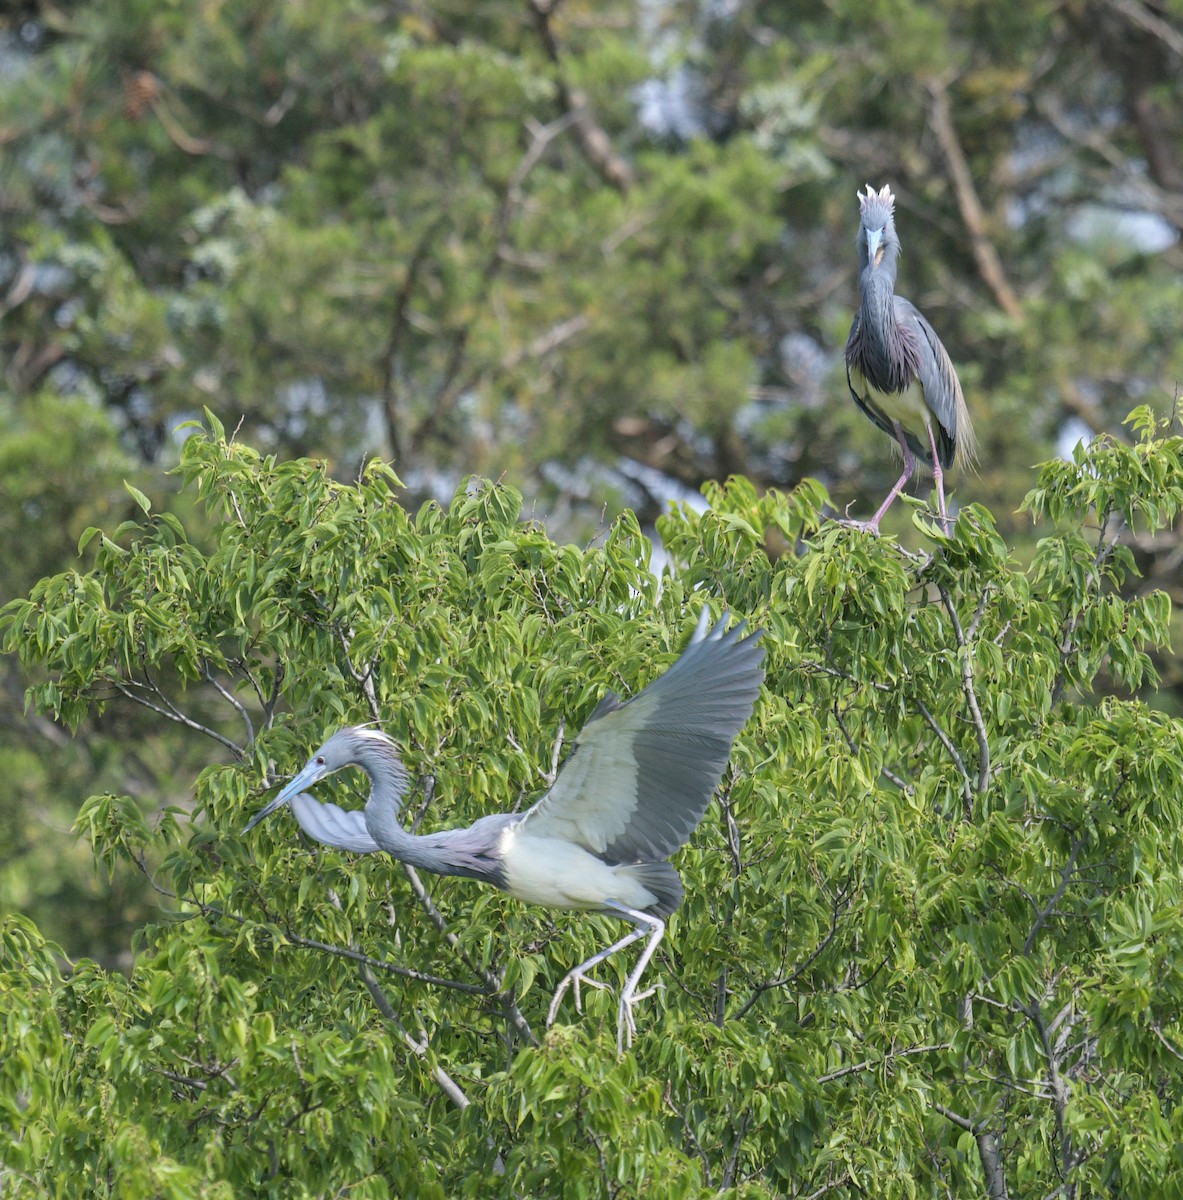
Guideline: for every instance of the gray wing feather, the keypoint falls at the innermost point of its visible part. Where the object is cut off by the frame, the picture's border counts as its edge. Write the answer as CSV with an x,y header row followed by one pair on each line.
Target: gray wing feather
x,y
942,388
643,772
337,827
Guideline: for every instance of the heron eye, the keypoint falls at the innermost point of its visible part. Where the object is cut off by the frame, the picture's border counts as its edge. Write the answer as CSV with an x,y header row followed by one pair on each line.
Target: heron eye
x,y
320,762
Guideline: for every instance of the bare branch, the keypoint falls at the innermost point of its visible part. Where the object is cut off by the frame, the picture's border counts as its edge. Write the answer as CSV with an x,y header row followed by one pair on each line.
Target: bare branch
x,y
231,699
492,983
132,689
593,140
957,1119
1059,1087
989,264
886,772
450,1087
837,903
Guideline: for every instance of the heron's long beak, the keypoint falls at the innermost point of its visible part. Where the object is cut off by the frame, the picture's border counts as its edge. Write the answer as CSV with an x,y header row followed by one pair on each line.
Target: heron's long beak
x,y
312,773
874,245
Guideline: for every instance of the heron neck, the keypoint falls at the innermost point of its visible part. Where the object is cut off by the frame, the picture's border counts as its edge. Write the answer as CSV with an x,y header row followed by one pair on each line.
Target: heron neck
x,y
388,783
877,289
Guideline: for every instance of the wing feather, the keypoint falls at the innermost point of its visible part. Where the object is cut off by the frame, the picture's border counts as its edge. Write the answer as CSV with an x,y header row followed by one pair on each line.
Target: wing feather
x,y
643,772
338,827
942,388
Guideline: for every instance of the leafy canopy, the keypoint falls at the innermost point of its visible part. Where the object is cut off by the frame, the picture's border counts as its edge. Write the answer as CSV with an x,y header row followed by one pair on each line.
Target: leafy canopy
x,y
930,942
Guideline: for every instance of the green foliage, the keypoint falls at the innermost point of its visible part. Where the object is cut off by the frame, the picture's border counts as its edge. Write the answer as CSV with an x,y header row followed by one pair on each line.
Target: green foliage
x,y
933,917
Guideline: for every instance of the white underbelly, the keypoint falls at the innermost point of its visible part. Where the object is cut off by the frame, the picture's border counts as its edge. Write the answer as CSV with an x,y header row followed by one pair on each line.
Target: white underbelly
x,y
558,874
906,407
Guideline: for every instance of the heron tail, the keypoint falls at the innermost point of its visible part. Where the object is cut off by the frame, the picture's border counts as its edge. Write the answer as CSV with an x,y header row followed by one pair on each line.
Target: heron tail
x,y
662,880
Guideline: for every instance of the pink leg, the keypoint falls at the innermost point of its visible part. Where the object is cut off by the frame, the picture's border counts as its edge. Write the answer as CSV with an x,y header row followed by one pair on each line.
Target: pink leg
x,y
939,477
909,470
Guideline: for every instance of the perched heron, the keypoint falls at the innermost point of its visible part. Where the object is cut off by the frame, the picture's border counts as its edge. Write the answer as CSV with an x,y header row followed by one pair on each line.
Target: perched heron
x,y
896,368
633,791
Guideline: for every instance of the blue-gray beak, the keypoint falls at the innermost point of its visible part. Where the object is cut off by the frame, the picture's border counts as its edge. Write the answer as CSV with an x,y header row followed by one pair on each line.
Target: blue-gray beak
x,y
314,772
874,240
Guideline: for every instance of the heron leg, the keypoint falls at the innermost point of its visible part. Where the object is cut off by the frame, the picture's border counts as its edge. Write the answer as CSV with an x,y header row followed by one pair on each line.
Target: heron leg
x,y
629,996
909,471
578,975
939,477
647,926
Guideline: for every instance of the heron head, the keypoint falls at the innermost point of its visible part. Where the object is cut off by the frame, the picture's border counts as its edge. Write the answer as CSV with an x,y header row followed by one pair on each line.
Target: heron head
x,y
876,225
345,748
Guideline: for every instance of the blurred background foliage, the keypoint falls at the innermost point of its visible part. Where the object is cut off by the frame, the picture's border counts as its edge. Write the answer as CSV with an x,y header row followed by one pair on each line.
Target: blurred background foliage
x,y
604,251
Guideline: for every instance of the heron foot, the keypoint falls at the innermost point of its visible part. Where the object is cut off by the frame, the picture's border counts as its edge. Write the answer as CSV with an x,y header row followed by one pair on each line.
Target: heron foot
x,y
862,526
573,978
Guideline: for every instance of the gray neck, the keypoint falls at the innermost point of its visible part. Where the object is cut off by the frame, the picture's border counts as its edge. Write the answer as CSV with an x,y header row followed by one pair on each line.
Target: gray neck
x,y
877,289
469,852
887,357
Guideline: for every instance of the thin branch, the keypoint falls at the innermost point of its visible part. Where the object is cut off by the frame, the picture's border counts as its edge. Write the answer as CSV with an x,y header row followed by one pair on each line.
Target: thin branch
x,y
826,1188
836,905
967,679
304,943
890,1056
233,700
1044,914
733,1162
1059,1088
967,794
957,1119
170,712
886,772
367,961
493,987
1156,1029
450,1087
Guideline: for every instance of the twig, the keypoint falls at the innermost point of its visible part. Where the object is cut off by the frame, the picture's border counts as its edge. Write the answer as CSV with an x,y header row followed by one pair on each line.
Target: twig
x,y
230,698
886,772
449,1086
836,905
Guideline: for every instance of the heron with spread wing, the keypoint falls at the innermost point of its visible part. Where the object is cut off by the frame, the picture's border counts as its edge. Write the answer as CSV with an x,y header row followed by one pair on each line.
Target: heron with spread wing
x,y
897,370
633,791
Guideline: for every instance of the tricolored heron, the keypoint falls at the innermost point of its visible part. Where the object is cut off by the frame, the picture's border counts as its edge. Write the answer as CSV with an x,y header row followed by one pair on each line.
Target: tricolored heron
x,y
632,793
897,370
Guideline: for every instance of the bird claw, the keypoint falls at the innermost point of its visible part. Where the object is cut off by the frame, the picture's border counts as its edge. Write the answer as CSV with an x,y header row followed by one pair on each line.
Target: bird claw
x,y
572,978
626,1026
862,526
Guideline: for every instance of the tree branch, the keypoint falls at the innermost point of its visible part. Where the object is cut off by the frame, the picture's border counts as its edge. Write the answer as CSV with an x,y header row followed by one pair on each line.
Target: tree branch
x,y
1043,914
967,679
989,264
593,140
890,1056
990,1154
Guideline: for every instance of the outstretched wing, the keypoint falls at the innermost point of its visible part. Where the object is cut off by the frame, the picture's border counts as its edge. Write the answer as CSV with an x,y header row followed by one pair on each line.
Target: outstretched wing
x,y
341,828
643,772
